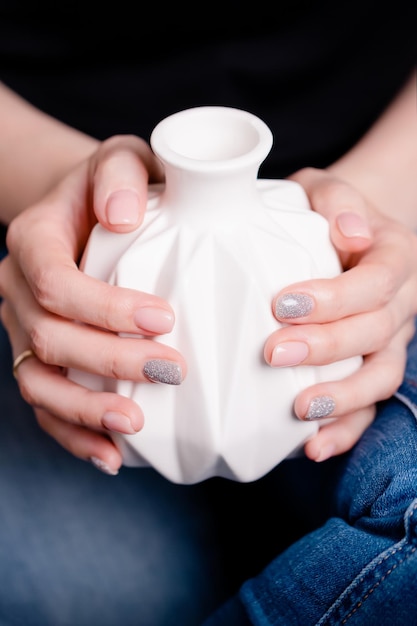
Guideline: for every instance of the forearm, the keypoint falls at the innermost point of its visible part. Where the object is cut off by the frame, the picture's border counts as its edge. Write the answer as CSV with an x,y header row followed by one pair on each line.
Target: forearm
x,y
383,165
35,152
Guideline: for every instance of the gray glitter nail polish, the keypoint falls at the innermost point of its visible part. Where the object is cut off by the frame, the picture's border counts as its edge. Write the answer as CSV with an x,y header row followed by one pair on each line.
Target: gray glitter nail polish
x,y
160,371
293,305
320,407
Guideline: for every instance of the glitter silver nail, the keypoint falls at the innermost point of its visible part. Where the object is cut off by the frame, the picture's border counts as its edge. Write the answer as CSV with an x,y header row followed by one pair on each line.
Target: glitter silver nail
x,y
102,466
160,371
322,406
292,305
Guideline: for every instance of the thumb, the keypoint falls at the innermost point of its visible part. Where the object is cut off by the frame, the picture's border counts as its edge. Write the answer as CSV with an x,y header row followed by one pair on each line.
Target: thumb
x,y
122,169
345,209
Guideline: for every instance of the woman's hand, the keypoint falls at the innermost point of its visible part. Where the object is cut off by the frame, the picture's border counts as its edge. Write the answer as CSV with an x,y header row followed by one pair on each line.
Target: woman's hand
x,y
44,292
368,310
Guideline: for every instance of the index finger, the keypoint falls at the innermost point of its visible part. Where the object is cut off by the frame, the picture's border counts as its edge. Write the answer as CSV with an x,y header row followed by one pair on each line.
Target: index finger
x,y
379,274
63,289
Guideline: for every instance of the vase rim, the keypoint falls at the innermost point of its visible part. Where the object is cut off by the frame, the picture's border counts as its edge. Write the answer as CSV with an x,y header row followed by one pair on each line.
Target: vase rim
x,y
212,138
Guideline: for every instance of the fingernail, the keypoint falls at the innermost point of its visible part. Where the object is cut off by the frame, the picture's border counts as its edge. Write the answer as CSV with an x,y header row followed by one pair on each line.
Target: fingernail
x,y
322,406
325,453
119,423
153,319
353,225
102,466
289,353
160,371
123,207
292,305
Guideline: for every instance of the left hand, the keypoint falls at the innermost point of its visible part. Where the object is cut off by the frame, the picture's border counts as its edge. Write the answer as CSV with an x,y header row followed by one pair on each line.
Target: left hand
x,y
368,310
44,292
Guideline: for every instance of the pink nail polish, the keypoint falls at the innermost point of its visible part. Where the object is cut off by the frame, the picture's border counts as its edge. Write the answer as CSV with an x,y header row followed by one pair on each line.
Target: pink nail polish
x,y
123,207
118,423
353,225
154,319
325,453
289,353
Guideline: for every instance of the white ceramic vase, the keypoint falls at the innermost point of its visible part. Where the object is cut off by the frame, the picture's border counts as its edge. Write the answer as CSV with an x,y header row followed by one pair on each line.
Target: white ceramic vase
x,y
217,243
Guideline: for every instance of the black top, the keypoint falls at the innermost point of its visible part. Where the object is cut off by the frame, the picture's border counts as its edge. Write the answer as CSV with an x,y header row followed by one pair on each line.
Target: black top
x,y
318,73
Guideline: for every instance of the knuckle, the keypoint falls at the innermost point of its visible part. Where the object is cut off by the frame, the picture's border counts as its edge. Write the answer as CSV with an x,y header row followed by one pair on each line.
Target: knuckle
x,y
115,308
44,285
114,369
5,314
335,193
118,144
43,421
330,342
387,286
111,309
87,410
113,359
39,337
115,141
333,349
81,418
383,332
27,389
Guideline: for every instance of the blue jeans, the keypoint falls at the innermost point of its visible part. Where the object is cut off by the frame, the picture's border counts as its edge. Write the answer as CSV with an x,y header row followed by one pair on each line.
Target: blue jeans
x,y
79,548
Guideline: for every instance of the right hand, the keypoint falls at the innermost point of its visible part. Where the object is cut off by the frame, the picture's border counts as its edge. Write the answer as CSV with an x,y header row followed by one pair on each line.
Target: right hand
x,y
368,310
44,292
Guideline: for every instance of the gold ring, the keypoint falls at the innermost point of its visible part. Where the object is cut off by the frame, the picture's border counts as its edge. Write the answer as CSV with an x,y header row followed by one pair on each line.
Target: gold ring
x,y
26,354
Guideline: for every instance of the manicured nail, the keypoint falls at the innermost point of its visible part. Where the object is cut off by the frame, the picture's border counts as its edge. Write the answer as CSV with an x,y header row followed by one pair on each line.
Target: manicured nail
x,y
292,305
289,353
102,466
353,225
119,423
153,319
123,207
160,371
322,406
325,453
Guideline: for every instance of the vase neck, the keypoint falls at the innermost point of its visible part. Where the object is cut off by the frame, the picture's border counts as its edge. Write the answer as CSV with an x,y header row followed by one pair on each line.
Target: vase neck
x,y
187,190
212,154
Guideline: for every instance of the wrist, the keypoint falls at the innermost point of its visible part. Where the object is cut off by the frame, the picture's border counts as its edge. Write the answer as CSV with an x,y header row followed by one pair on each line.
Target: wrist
x,y
382,165
37,151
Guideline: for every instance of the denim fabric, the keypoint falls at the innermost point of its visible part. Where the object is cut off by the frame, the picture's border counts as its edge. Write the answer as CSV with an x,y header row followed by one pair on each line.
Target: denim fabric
x,y
79,548
360,567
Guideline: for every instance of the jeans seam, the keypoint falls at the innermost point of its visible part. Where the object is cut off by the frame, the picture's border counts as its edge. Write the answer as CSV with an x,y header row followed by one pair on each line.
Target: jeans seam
x,y
408,403
337,609
370,591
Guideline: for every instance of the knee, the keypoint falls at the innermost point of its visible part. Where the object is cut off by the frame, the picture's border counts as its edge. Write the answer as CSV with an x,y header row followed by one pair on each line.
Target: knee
x,y
378,484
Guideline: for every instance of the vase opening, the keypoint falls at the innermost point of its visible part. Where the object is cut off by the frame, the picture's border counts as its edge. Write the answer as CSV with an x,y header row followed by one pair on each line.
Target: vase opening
x,y
210,136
